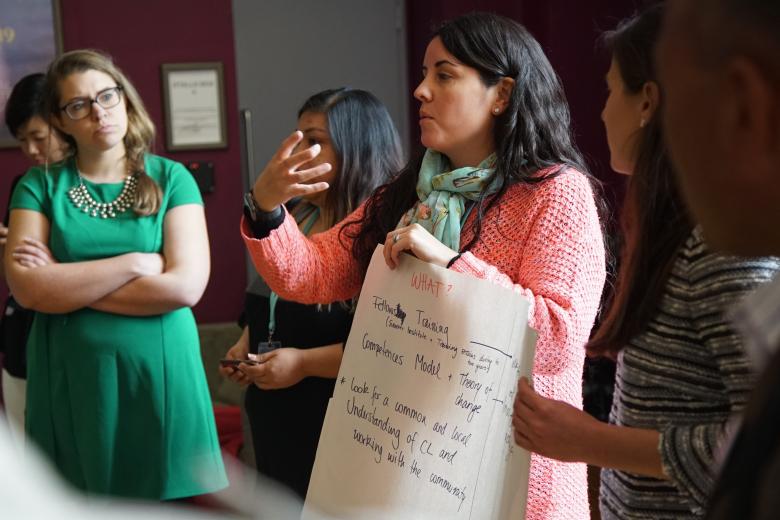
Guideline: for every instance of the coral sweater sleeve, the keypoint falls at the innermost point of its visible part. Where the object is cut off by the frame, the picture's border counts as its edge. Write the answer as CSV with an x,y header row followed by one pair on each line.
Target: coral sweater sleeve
x,y
318,269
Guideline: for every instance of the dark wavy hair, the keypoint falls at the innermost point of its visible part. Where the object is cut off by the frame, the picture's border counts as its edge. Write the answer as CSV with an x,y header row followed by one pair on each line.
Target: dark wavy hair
x,y
24,103
655,222
533,132
365,140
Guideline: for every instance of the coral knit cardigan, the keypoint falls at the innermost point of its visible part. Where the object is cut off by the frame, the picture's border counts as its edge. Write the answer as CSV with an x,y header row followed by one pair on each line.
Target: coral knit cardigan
x,y
543,240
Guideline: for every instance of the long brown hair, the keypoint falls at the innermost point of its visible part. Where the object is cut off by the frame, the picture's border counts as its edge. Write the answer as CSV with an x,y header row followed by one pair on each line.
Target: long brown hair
x,y
140,129
655,222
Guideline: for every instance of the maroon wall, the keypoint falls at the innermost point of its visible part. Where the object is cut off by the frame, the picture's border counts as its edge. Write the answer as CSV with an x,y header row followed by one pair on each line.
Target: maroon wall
x,y
142,35
568,32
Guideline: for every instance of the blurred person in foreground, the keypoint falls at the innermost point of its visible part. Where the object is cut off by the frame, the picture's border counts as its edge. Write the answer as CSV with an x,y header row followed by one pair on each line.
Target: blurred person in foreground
x,y
718,62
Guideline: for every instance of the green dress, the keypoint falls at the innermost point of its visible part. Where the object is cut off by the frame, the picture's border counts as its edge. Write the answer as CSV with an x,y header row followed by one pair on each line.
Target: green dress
x,y
118,403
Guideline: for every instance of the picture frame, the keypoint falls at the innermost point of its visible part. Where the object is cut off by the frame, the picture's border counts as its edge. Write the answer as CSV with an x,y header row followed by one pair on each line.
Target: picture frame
x,y
194,106
30,38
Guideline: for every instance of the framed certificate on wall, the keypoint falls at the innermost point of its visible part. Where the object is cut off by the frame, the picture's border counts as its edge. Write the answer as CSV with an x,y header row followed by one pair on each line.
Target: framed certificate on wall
x,y
30,38
194,99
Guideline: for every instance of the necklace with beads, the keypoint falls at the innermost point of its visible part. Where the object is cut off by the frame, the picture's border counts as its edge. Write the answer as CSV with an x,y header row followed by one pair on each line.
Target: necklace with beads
x,y
84,201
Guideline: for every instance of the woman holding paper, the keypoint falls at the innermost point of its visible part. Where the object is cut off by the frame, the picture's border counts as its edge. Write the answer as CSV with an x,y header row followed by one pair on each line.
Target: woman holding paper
x,y
357,137
681,371
500,194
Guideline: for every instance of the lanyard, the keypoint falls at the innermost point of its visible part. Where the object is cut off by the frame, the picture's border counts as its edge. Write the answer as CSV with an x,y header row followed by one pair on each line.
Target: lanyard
x,y
273,298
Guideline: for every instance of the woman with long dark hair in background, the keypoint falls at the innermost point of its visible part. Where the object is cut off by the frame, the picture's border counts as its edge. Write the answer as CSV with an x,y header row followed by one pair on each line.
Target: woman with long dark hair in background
x,y
681,370
356,136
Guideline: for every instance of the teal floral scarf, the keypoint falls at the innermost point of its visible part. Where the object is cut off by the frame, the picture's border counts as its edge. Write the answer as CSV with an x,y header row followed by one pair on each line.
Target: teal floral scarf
x,y
442,196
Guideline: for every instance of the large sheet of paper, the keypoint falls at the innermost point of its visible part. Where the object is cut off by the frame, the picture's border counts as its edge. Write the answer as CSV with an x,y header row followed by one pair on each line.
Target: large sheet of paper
x,y
419,426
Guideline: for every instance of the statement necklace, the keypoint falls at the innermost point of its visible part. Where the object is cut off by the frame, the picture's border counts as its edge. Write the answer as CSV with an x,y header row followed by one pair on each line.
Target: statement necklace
x,y
84,201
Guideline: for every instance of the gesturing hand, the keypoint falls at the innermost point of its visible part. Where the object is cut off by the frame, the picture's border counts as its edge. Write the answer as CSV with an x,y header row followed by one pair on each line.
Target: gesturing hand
x,y
280,368
418,241
281,180
33,253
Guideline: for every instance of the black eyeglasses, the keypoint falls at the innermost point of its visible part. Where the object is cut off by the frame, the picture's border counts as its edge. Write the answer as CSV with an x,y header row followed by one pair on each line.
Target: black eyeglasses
x,y
80,108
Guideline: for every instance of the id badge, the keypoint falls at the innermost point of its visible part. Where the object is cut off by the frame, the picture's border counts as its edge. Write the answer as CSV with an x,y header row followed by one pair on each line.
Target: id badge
x,y
267,346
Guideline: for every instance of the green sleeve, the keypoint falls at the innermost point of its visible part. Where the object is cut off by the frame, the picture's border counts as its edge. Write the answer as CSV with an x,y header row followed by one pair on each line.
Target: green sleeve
x,y
182,186
32,192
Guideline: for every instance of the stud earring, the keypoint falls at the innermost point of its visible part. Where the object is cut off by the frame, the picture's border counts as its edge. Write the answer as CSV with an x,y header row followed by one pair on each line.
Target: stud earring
x,y
642,122
496,110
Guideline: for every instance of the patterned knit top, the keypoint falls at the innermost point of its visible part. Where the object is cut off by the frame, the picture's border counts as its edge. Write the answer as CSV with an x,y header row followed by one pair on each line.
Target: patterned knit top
x,y
684,376
543,240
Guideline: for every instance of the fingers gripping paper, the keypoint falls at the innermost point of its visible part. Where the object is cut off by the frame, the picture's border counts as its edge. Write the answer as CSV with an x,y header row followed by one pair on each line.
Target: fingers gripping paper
x,y
419,426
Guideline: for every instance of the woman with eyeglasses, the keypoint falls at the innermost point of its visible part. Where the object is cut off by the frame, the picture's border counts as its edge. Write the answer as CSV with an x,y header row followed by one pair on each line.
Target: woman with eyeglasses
x,y
110,248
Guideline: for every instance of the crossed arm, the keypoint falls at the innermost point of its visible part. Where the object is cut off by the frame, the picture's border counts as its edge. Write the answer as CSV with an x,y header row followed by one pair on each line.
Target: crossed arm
x,y
133,283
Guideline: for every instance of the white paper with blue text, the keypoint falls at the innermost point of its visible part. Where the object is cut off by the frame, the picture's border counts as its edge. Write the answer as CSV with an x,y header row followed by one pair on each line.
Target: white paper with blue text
x,y
419,426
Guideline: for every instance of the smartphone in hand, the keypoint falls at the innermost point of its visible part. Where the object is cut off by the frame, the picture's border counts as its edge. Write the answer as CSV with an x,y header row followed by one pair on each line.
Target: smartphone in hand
x,y
235,362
